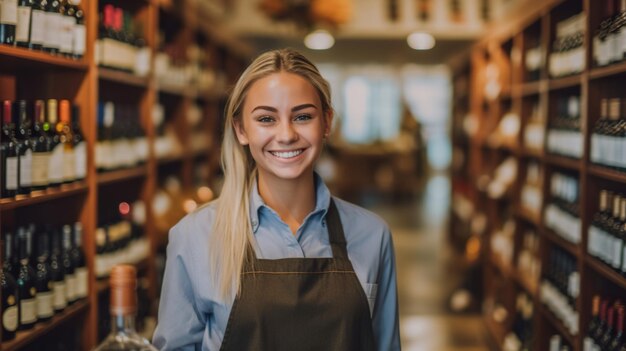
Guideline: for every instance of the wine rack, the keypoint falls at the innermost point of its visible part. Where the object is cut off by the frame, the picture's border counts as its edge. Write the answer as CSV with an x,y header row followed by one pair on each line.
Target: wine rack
x,y
154,30
509,71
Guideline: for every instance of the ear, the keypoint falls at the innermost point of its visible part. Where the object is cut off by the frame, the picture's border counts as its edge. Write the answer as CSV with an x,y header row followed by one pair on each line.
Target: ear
x,y
240,132
328,122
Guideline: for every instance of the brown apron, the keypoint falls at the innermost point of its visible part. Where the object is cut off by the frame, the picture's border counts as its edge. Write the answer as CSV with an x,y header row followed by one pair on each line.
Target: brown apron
x,y
295,304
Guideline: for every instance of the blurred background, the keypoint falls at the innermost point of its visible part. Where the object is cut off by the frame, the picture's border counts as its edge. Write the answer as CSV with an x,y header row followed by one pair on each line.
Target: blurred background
x,y
489,134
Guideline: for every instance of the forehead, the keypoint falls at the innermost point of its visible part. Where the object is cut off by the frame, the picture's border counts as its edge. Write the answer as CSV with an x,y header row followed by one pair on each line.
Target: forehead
x,y
281,88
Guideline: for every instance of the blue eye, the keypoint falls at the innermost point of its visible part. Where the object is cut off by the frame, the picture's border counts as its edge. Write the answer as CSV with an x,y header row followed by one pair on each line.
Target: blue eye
x,y
303,117
265,119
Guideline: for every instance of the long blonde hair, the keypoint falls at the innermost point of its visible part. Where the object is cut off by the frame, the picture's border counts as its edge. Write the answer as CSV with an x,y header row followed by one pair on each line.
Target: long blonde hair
x,y
232,230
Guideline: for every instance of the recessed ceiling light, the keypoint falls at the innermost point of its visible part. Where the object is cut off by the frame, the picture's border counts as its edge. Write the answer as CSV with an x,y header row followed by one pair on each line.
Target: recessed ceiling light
x,y
319,40
420,41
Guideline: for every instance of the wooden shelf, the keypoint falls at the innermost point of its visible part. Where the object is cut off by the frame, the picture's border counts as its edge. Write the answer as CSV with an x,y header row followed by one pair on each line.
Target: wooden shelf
x,y
607,173
531,153
572,340
528,216
24,338
606,271
171,159
563,162
565,82
50,194
121,175
611,70
15,58
533,88
571,248
121,77
496,331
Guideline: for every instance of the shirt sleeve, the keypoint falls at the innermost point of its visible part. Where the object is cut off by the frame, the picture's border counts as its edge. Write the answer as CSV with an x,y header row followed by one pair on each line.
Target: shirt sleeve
x,y
180,325
385,316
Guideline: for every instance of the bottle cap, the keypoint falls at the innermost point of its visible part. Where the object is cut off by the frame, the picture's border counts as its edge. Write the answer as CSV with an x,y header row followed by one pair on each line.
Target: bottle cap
x,y
123,282
64,109
6,111
52,111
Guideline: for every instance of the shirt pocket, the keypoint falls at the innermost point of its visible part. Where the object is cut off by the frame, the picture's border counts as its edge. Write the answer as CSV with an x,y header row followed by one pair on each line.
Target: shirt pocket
x,y
371,290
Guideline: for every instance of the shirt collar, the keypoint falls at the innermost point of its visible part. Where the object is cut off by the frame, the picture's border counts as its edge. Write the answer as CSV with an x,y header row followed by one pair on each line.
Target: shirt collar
x,y
322,201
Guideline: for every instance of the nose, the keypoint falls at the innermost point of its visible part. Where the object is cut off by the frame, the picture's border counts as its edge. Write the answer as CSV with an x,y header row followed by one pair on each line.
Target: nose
x,y
286,133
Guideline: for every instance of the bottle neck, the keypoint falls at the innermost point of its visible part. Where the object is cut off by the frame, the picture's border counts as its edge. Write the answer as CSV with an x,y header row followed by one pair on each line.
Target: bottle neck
x,y
123,323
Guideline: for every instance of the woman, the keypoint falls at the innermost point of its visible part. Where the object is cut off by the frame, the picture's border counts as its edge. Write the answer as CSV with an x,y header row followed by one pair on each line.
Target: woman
x,y
276,263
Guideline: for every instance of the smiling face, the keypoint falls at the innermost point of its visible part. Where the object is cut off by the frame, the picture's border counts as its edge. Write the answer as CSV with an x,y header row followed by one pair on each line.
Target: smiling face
x,y
283,124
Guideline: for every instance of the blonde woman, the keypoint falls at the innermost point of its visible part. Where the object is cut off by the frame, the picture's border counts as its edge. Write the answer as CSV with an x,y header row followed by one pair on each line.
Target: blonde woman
x,y
277,263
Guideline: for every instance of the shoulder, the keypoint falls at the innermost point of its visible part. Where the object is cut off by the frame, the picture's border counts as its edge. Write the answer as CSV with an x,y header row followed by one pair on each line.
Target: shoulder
x,y
194,229
360,223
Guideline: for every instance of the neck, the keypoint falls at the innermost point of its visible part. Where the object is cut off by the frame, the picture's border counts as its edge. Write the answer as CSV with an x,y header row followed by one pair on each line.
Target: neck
x,y
293,200
122,323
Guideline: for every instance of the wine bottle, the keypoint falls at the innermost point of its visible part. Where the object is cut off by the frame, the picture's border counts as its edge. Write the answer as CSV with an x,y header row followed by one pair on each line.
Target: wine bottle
x,y
64,128
80,265
57,271
10,309
53,27
68,265
588,343
80,31
24,148
43,281
22,30
41,148
66,21
38,24
618,339
9,154
123,309
80,145
26,284
8,21
55,169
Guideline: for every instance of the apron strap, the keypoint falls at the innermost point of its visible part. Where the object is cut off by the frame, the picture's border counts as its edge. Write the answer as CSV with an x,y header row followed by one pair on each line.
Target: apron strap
x,y
335,232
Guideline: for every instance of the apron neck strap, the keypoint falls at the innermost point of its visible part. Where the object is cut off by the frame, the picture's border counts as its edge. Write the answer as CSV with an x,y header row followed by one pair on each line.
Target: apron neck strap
x,y
335,232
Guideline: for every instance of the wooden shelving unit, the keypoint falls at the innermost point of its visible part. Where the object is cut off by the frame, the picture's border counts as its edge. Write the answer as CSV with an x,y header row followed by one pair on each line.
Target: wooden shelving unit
x,y
482,110
27,74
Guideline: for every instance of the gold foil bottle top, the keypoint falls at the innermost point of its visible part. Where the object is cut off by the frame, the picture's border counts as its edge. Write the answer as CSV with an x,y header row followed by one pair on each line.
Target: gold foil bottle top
x,y
123,282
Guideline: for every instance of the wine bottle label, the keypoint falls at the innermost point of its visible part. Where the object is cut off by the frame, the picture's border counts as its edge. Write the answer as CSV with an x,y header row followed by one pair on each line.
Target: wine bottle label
x,y
44,304
26,166
40,165
55,172
595,150
66,34
70,287
80,37
8,12
59,300
80,160
11,173
28,311
81,282
591,242
9,318
23,24
69,165
53,27
588,344
618,247
38,27
624,260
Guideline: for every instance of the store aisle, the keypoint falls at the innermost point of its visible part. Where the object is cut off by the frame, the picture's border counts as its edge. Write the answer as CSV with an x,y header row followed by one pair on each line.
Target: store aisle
x,y
428,273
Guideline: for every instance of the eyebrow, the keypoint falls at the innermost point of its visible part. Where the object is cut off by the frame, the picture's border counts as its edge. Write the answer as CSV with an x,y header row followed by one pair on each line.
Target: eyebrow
x,y
294,109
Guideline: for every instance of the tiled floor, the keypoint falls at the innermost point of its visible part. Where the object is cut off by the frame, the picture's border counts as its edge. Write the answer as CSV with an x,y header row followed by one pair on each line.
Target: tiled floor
x,y
428,274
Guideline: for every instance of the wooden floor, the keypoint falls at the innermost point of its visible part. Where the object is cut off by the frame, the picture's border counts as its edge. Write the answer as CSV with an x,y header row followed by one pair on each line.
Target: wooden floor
x,y
429,273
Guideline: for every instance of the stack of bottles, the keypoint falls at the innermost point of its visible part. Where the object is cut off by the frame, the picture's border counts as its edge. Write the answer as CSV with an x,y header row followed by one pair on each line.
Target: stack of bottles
x,y
120,43
120,238
42,146
606,328
122,142
521,335
564,133
183,68
53,26
560,288
166,143
43,272
568,53
607,233
609,45
608,139
561,214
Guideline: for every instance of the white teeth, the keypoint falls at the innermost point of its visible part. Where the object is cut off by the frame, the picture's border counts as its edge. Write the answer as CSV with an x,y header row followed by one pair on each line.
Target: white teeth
x,y
287,154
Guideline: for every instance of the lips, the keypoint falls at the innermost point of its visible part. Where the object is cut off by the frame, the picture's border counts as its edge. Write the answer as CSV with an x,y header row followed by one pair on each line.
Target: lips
x,y
287,154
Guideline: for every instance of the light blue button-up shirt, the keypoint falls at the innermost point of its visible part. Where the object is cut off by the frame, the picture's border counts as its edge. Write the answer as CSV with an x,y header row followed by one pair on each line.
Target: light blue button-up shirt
x,y
191,319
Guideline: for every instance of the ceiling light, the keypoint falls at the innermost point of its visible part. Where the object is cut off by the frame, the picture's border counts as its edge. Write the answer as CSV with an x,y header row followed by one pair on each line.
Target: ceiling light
x,y
319,40
420,41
